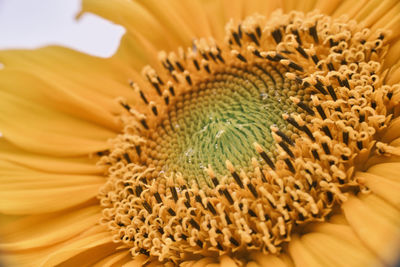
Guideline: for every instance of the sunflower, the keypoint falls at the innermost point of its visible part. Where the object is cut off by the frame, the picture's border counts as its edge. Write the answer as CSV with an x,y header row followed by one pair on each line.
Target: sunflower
x,y
221,133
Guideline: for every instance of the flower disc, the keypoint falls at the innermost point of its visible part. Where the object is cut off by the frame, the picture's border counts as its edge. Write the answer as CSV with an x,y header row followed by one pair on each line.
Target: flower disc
x,y
248,140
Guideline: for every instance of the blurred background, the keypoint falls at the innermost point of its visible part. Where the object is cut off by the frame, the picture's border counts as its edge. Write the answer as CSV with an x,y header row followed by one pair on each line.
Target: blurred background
x,y
31,24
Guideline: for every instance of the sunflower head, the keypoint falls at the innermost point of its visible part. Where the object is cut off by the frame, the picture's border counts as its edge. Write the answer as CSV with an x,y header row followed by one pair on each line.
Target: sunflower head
x,y
246,140
275,142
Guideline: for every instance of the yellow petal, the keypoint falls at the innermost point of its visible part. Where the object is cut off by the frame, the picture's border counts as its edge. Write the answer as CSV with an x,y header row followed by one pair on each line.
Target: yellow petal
x,y
350,8
48,229
202,262
262,7
388,21
35,200
101,76
138,261
289,5
69,81
79,165
373,11
227,261
252,264
194,15
137,20
160,264
84,251
302,256
382,207
16,177
392,56
385,188
216,16
54,94
116,259
375,160
36,257
305,6
265,260
388,170
392,132
50,132
395,142
36,181
376,232
337,251
172,15
338,219
345,232
234,9
327,7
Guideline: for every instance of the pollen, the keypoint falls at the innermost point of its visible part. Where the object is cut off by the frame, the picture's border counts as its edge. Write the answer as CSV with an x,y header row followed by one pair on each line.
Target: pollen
x,y
243,142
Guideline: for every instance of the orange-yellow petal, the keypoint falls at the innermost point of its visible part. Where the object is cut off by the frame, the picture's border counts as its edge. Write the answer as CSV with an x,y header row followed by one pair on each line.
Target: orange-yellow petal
x,y
37,128
377,232
84,251
389,170
138,261
265,260
34,201
138,21
48,229
115,259
385,188
50,87
23,191
336,251
38,162
302,256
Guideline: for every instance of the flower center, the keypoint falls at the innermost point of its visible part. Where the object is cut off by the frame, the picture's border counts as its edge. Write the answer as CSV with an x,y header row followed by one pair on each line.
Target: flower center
x,y
220,120
242,143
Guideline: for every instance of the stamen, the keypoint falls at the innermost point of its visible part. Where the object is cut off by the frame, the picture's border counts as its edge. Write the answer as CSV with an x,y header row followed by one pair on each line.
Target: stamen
x,y
302,105
264,155
234,174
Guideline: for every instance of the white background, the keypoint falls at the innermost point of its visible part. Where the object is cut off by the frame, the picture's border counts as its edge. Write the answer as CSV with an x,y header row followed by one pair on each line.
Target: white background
x,y
35,23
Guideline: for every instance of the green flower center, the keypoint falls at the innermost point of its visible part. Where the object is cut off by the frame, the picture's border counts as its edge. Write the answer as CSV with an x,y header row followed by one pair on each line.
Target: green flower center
x,y
222,119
